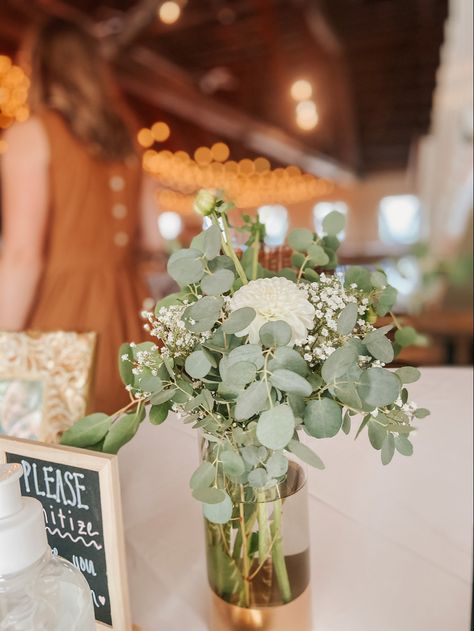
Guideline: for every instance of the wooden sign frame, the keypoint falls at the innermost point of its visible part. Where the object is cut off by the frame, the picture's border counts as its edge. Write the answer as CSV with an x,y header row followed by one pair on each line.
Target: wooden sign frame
x,y
106,465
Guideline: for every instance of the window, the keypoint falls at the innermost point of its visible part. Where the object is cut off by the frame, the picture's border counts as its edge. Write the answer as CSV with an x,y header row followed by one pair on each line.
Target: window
x,y
170,225
275,218
399,219
321,209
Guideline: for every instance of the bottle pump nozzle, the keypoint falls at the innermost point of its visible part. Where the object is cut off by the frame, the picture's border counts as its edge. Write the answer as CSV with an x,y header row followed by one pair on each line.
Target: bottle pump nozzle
x,y
10,495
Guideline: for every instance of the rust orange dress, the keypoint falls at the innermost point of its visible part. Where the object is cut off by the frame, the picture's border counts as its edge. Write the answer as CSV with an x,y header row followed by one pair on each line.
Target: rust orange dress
x,y
90,280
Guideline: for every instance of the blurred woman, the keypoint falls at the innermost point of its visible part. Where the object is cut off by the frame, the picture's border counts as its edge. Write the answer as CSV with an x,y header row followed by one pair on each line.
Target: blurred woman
x,y
76,210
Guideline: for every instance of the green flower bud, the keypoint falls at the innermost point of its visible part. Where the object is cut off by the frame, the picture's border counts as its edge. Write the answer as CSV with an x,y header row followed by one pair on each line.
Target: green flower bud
x,y
205,202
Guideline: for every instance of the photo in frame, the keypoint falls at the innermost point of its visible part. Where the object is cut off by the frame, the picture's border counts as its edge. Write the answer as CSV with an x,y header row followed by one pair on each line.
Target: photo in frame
x,y
45,382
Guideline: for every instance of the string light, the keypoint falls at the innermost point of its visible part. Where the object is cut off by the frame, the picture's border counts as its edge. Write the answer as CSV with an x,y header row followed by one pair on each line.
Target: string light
x,y
160,131
169,12
306,115
301,90
145,138
14,85
220,151
249,183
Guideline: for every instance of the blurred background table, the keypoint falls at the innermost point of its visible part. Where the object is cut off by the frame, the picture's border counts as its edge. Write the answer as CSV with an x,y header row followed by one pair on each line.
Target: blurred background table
x,y
391,546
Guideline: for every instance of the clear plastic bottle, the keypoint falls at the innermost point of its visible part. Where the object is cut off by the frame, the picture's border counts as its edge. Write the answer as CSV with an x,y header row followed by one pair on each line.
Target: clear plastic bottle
x,y
38,590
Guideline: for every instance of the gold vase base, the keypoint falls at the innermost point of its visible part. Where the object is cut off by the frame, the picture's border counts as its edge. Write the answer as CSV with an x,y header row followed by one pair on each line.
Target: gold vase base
x,y
295,615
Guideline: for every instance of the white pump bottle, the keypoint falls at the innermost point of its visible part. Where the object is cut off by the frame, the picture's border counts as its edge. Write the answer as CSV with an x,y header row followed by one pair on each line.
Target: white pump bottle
x,y
38,590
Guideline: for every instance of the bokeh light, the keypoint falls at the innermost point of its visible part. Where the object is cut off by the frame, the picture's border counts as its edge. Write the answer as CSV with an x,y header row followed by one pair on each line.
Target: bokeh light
x,y
170,225
145,138
203,155
306,115
160,131
220,151
301,90
169,12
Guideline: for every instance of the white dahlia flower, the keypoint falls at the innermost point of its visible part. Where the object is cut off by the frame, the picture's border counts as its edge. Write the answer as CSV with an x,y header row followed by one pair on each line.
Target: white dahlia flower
x,y
275,299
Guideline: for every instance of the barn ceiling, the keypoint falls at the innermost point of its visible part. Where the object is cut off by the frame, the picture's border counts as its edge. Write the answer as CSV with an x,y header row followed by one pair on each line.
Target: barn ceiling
x,y
223,71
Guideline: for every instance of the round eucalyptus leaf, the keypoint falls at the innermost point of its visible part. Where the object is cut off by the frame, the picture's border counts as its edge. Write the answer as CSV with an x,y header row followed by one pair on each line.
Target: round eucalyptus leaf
x,y
377,434
162,396
232,463
421,413
300,239
258,477
317,255
403,446
378,386
221,262
203,477
405,336
286,357
378,280
288,273
277,333
211,242
275,427
239,320
297,259
311,275
408,374
121,432
219,513
358,275
247,353
291,382
218,283
250,454
306,454
334,222
126,365
186,266
206,308
150,383
386,300
209,495
241,373
347,319
197,365
323,418
338,363
277,465
251,401
388,449
380,347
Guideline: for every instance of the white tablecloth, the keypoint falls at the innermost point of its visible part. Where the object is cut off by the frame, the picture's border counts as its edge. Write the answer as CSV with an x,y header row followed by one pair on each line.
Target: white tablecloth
x,y
391,546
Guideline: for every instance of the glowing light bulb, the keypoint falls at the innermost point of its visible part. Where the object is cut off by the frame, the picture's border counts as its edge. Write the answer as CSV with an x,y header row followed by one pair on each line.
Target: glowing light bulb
x,y
160,131
301,90
145,138
306,115
169,12
170,225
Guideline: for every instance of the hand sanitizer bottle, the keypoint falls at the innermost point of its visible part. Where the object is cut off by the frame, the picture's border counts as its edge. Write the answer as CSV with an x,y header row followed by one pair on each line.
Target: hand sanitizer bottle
x,y
38,590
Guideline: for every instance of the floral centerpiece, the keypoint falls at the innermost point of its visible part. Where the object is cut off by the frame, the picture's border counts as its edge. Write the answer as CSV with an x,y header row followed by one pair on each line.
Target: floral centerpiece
x,y
255,360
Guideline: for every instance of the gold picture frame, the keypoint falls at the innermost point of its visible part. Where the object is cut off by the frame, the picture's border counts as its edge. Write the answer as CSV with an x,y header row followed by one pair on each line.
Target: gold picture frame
x,y
46,379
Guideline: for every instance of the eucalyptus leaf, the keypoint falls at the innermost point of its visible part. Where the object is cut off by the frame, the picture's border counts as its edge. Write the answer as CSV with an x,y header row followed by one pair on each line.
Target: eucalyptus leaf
x,y
186,266
323,418
421,413
286,357
241,373
388,449
406,336
408,374
212,242
87,431
358,275
197,365
386,300
276,333
346,423
379,386
347,319
300,239
239,320
158,413
219,513
126,365
378,280
209,495
121,432
247,353
251,401
217,283
163,396
291,382
338,363
311,275
258,477
232,463
150,383
334,222
403,445
317,255
276,427
377,434
277,465
298,259
380,347
203,477
306,454
288,273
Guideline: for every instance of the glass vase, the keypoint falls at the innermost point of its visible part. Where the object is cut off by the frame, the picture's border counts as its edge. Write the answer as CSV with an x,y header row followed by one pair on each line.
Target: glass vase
x,y
258,562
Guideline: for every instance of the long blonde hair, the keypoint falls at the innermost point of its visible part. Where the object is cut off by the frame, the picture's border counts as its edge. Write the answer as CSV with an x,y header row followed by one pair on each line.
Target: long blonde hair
x,y
70,75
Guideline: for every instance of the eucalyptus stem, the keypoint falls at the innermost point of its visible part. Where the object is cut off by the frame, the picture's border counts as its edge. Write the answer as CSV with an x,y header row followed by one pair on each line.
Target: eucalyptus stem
x,y
264,536
245,552
227,247
256,251
278,554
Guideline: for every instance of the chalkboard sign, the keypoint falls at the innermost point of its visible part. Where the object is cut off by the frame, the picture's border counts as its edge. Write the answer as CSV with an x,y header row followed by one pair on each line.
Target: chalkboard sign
x,y
79,491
